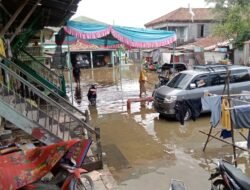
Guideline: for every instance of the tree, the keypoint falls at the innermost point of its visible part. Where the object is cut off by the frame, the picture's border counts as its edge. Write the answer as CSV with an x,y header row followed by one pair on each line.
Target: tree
x,y
233,20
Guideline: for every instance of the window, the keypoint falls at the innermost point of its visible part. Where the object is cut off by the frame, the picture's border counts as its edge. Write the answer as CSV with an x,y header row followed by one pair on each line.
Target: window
x,y
179,81
201,81
239,76
218,79
200,33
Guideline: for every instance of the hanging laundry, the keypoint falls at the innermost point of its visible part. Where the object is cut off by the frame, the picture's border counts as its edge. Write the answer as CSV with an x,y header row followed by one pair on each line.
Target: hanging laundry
x,y
238,102
195,107
2,48
225,115
241,116
225,133
212,103
181,108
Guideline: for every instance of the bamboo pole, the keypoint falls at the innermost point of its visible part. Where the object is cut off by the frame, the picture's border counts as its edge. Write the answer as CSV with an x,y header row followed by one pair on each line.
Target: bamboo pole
x,y
225,141
231,121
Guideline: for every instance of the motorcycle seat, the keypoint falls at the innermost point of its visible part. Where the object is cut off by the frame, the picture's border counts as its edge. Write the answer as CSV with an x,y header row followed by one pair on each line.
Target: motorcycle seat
x,y
240,178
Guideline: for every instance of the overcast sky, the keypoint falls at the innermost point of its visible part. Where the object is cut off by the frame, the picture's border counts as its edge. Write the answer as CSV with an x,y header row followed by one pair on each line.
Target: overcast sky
x,y
133,13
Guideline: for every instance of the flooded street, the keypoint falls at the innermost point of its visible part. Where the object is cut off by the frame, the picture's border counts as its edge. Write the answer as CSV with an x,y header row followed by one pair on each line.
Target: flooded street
x,y
141,150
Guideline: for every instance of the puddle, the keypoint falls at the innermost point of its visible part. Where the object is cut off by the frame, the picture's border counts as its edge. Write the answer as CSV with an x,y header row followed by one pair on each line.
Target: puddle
x,y
142,150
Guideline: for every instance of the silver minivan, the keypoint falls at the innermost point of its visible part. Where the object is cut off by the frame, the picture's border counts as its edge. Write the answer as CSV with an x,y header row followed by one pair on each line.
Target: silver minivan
x,y
191,84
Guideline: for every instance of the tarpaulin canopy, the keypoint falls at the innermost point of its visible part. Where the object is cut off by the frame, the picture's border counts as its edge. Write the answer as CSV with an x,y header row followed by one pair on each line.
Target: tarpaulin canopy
x,y
113,36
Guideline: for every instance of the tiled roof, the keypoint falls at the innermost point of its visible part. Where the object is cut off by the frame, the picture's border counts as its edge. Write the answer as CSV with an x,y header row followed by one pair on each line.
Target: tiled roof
x,y
210,42
183,15
78,46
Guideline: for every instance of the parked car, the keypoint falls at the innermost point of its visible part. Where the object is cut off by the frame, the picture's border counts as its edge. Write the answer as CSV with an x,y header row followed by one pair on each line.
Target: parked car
x,y
168,71
82,61
172,66
191,84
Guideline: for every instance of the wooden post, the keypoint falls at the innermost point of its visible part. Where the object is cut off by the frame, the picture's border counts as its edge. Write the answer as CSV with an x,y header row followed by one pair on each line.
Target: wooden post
x,y
208,138
209,134
13,18
248,139
5,10
225,141
128,104
231,121
24,20
69,65
91,59
99,147
86,116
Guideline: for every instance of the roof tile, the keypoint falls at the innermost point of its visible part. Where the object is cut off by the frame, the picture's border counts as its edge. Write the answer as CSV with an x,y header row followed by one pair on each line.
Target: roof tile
x,y
183,14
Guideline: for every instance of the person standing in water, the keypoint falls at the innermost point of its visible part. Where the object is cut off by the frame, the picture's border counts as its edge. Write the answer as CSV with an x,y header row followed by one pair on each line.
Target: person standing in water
x,y
77,73
142,81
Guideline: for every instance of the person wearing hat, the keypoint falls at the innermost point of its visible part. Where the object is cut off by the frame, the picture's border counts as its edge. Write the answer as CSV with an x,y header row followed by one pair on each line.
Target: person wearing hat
x,y
142,81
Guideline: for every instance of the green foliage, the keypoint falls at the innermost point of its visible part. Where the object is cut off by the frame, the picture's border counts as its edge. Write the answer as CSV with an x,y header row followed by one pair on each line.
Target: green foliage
x,y
233,17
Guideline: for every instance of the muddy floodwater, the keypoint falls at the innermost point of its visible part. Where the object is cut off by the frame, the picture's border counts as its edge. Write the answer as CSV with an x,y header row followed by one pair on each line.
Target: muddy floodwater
x,y
142,150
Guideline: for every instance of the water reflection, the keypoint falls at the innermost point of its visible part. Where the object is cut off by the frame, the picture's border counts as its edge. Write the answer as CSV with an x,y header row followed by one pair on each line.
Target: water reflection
x,y
148,145
78,95
93,112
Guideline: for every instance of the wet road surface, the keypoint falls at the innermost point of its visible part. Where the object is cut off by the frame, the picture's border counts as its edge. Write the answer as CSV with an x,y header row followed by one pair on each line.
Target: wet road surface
x,y
141,150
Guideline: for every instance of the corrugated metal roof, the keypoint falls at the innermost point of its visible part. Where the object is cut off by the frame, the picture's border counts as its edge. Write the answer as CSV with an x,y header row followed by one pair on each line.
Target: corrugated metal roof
x,y
207,43
54,12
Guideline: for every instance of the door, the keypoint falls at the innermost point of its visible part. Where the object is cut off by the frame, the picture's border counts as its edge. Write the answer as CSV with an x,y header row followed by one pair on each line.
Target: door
x,y
217,83
200,85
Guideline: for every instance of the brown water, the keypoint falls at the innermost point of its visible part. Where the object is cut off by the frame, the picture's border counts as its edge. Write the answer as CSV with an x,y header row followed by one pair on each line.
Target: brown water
x,y
141,150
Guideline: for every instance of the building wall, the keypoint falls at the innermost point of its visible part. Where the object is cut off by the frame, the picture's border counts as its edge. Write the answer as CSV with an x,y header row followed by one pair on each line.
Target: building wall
x,y
238,57
247,54
213,57
136,56
190,30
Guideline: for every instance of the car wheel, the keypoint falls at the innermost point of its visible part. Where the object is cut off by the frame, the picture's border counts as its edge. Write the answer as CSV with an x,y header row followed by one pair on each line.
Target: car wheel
x,y
188,115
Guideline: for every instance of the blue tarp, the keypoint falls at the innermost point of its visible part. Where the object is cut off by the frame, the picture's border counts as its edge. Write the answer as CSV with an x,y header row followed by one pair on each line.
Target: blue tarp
x,y
112,36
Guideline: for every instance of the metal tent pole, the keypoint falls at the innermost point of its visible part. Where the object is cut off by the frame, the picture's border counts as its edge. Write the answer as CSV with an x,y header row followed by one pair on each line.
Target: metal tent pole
x,y
173,58
70,70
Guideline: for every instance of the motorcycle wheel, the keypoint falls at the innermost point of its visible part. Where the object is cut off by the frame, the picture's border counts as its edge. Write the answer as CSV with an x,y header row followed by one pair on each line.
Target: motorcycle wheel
x,y
84,183
220,185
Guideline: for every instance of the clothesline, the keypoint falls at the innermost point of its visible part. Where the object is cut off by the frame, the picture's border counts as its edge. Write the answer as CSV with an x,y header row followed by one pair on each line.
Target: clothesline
x,y
234,107
241,100
235,119
225,95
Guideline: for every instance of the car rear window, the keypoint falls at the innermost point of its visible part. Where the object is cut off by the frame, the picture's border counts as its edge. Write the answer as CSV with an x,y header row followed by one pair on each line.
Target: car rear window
x,y
239,76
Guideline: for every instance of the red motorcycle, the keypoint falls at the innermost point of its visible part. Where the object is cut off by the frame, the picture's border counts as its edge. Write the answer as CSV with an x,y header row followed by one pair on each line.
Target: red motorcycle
x,y
66,177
